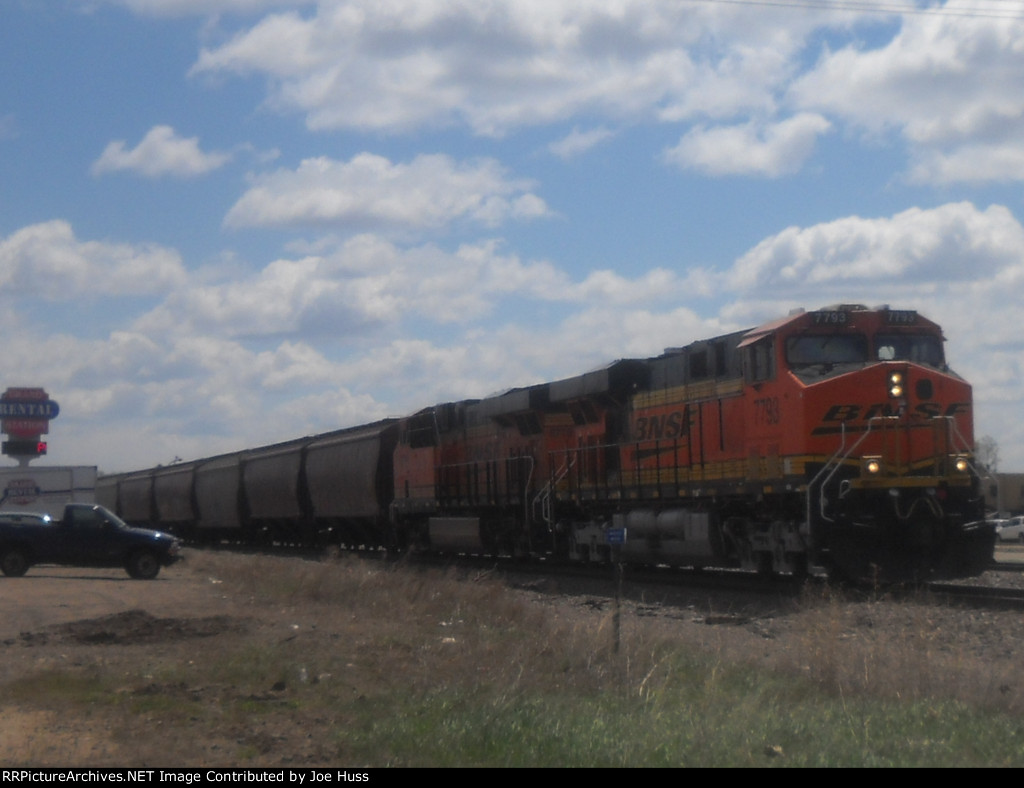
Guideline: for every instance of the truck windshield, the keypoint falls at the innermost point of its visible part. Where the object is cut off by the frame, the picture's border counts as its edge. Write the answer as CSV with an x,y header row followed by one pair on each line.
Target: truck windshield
x,y
919,348
111,517
810,349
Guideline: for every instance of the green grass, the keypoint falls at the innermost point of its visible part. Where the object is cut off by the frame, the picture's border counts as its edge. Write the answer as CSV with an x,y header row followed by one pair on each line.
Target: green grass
x,y
740,719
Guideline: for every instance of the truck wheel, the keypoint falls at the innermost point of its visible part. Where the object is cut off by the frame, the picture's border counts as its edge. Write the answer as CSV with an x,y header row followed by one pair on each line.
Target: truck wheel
x,y
143,566
14,563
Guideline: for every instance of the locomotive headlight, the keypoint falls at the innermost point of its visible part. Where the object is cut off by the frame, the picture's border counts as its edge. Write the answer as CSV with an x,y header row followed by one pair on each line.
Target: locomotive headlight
x,y
896,384
872,465
961,464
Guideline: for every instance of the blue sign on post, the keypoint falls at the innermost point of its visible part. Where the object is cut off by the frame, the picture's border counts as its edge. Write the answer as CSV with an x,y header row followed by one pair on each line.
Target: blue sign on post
x,y
615,536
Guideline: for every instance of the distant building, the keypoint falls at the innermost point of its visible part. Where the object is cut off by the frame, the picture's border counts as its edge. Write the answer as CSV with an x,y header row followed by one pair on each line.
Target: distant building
x,y
1004,493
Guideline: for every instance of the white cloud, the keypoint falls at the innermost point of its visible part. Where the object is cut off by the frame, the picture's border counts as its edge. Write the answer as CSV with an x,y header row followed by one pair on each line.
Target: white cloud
x,y
371,192
172,8
503,64
951,249
944,81
948,84
48,261
579,142
161,152
750,149
146,400
609,287
974,163
368,286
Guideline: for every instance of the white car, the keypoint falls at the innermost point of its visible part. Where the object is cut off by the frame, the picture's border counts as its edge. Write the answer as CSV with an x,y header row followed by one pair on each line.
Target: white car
x,y
1011,530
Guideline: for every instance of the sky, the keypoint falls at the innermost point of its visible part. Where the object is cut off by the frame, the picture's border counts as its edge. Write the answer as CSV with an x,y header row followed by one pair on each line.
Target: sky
x,y
227,223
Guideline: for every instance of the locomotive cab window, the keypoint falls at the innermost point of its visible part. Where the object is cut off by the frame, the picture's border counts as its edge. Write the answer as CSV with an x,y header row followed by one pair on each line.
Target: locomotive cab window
x,y
919,348
828,349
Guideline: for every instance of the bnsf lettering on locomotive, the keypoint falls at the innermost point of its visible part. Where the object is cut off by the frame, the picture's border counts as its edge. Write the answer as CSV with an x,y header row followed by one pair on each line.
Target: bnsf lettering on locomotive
x,y
842,413
857,413
883,409
671,425
928,410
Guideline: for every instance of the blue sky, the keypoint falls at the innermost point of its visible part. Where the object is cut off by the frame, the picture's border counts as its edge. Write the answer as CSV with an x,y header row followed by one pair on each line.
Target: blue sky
x,y
225,223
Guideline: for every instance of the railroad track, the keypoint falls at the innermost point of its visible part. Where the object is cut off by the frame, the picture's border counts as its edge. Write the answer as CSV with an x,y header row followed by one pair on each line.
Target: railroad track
x,y
983,597
640,580
603,579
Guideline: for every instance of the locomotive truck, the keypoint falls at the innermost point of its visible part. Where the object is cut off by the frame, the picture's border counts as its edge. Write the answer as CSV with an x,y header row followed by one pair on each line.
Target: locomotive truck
x,y
835,438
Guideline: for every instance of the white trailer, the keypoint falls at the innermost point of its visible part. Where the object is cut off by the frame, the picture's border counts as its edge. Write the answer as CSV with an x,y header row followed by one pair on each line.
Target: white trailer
x,y
46,489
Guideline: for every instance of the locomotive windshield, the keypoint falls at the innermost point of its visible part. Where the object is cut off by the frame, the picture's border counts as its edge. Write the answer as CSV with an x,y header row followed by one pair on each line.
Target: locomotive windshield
x,y
828,349
919,348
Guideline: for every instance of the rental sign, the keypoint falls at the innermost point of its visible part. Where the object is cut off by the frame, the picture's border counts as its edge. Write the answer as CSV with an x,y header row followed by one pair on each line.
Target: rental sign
x,y
26,413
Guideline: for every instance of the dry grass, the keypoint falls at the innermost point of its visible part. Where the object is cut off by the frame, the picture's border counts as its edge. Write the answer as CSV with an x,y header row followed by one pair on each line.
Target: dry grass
x,y
907,650
429,625
349,662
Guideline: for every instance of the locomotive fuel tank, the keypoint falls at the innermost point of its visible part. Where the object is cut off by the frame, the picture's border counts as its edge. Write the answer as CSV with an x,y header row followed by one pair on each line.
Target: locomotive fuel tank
x,y
676,537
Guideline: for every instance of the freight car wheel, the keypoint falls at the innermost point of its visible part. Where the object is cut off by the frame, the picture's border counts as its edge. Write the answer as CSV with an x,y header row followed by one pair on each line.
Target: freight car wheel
x,y
143,565
14,563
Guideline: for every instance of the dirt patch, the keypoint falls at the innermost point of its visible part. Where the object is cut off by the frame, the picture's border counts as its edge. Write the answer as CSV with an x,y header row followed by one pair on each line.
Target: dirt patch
x,y
134,627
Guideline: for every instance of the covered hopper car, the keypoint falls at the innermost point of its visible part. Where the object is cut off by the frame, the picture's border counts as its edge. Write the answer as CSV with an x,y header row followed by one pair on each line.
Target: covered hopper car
x,y
335,487
837,438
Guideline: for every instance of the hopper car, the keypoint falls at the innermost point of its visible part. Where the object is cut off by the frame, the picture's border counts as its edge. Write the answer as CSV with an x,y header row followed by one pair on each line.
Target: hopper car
x,y
835,438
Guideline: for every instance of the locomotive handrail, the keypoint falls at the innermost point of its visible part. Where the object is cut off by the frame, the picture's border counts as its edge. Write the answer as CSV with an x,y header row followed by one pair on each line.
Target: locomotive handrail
x,y
965,446
832,465
543,496
954,439
526,484
824,468
988,474
472,481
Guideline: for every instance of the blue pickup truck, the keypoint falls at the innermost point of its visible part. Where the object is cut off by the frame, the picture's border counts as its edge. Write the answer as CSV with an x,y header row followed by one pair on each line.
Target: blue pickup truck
x,y
87,535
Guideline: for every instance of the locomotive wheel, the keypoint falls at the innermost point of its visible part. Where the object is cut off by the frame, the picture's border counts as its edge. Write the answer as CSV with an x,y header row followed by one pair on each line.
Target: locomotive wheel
x,y
143,566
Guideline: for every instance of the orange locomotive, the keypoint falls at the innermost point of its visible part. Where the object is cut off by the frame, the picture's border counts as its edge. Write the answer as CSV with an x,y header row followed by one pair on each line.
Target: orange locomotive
x,y
835,438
